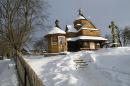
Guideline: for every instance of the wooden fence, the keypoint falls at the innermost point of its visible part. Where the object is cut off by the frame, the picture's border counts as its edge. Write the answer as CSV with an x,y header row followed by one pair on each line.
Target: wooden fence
x,y
27,76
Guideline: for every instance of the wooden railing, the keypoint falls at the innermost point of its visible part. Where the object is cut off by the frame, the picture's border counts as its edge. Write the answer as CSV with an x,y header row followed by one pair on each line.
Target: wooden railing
x,y
27,76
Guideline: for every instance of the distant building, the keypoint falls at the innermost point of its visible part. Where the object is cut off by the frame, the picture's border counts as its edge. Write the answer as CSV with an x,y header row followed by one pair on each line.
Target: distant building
x,y
83,35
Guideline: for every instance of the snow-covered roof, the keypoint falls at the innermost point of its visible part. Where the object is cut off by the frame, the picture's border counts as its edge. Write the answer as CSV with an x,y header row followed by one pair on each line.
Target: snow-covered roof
x,y
71,28
80,17
86,38
87,29
56,30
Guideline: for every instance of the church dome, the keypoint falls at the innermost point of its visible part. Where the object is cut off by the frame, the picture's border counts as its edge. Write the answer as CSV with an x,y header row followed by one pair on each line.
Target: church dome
x,y
80,17
56,29
70,28
83,22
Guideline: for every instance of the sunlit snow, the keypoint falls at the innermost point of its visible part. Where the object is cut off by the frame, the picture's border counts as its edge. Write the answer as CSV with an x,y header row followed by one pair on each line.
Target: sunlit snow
x,y
106,67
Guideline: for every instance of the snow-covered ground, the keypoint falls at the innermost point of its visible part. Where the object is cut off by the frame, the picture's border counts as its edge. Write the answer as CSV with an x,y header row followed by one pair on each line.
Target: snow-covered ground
x,y
8,73
106,67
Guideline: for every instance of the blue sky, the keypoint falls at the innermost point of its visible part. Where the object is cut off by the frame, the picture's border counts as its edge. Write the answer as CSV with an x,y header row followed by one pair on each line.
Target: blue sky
x,y
100,12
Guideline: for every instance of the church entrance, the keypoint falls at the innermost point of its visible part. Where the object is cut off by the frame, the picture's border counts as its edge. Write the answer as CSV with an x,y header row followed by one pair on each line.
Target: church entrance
x,y
62,45
92,45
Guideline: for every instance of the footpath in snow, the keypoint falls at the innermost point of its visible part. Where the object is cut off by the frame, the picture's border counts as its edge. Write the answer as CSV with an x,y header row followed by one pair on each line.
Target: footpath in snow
x,y
106,67
8,75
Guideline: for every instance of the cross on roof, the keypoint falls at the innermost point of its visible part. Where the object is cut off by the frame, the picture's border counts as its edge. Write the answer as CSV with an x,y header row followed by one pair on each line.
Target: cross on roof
x,y
57,24
81,13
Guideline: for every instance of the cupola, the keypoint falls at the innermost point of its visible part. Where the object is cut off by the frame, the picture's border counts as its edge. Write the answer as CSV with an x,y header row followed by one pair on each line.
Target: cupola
x,y
56,29
57,42
82,22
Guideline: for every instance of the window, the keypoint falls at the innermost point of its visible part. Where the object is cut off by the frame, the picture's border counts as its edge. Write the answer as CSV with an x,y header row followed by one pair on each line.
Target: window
x,y
54,40
86,45
97,45
61,40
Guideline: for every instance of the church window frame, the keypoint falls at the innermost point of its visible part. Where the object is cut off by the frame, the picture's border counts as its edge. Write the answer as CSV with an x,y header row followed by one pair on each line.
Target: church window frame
x,y
86,45
61,40
54,40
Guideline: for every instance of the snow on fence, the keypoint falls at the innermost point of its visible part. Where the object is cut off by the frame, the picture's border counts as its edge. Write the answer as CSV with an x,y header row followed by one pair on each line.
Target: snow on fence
x,y
27,77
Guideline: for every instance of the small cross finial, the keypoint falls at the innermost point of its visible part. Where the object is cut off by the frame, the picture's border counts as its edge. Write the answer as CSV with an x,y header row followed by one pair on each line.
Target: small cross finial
x,y
57,23
66,28
80,12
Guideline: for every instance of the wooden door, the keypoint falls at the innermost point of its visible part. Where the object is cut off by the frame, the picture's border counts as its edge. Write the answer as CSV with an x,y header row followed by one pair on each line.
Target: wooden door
x,y
61,40
92,45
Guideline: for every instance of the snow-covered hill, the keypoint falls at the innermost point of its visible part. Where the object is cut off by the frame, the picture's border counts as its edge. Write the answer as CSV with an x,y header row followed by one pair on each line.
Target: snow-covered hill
x,y
105,67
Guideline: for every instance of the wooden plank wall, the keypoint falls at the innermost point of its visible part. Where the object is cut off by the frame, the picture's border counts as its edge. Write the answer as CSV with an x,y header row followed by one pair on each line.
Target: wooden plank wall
x,y
27,76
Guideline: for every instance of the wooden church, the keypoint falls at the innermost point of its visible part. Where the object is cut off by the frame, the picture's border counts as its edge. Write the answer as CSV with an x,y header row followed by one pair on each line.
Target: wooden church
x,y
82,35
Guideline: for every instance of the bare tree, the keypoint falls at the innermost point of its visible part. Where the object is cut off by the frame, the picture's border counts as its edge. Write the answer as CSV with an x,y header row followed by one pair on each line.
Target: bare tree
x,y
18,19
40,45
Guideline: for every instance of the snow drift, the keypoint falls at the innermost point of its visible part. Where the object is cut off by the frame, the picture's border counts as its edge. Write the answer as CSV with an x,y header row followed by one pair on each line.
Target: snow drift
x,y
105,67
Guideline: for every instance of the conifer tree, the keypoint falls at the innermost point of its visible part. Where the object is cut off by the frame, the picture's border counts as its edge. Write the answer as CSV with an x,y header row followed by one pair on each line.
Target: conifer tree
x,y
115,34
